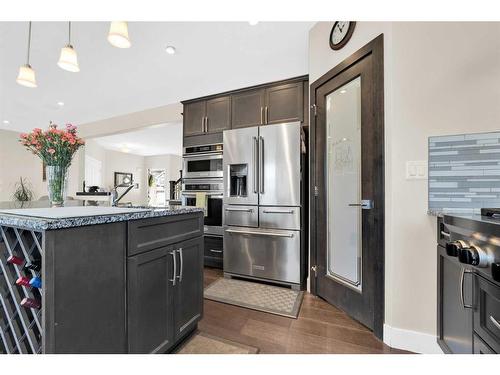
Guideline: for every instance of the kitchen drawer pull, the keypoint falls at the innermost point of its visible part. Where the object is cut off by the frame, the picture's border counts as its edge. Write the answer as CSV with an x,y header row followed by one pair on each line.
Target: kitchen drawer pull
x,y
289,235
240,209
174,279
215,251
495,322
277,212
462,298
444,234
182,264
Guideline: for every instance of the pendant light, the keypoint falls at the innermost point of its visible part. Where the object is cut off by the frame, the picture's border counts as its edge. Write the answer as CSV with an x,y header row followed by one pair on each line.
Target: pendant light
x,y
68,59
26,76
118,34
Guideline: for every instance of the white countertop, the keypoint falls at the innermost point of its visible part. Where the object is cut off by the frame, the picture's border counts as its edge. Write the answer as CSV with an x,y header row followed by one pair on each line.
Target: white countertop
x,y
71,212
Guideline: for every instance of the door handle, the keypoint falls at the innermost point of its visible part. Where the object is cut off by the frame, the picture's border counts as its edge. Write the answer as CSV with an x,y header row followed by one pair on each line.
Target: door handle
x,y
255,162
495,322
181,265
462,298
174,278
269,234
240,209
277,212
261,166
366,204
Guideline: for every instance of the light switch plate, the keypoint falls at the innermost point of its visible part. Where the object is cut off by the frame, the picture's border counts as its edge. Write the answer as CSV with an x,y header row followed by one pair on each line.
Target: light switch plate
x,y
416,170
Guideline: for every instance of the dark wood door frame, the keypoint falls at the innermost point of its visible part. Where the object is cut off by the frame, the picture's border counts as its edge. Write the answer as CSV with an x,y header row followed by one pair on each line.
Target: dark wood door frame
x,y
375,48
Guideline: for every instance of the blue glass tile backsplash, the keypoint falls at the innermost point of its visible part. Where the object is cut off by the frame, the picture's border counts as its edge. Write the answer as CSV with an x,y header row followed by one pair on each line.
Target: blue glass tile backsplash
x,y
464,172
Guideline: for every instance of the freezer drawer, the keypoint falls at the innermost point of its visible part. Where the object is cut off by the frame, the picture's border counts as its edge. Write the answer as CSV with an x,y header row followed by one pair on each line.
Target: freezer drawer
x,y
247,216
262,253
280,217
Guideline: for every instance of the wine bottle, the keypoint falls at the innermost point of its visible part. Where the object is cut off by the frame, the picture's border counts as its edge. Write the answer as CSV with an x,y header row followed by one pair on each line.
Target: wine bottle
x,y
15,260
36,282
23,281
36,265
31,303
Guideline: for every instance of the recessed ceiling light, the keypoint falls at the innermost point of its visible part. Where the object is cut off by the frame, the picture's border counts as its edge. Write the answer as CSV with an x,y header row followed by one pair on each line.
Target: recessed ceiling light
x,y
170,50
60,104
253,23
6,122
343,91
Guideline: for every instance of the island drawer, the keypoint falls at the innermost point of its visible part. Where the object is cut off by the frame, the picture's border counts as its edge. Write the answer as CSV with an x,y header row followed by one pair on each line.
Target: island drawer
x,y
149,234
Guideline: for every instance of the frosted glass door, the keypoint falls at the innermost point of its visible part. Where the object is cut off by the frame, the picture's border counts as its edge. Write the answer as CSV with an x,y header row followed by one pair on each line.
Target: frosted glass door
x,y
343,123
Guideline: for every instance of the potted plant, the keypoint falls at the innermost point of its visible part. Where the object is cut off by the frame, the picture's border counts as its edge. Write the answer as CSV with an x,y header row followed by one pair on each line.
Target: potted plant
x,y
56,148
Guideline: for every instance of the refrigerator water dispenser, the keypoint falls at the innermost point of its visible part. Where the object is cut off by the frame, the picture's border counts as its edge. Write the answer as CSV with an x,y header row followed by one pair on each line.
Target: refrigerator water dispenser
x,y
238,174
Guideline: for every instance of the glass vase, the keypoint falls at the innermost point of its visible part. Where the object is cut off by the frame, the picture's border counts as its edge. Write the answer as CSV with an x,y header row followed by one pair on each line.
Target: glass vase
x,y
57,181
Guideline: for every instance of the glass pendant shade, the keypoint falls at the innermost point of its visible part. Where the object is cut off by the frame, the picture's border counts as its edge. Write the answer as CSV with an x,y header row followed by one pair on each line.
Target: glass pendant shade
x,y
118,34
68,59
26,76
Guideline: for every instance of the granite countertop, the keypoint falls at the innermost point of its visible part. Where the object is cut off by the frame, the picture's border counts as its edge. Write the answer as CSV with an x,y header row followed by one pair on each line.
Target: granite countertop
x,y
37,216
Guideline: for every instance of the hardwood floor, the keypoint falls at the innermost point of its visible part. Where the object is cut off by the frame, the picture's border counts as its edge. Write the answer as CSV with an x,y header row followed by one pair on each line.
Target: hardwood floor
x,y
320,328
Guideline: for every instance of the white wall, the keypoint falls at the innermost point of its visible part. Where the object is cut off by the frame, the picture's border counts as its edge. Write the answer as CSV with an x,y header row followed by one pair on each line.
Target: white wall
x,y
438,80
16,161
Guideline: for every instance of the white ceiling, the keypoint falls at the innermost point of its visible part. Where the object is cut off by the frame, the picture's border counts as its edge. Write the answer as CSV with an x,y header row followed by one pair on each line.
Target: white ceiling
x,y
159,139
211,57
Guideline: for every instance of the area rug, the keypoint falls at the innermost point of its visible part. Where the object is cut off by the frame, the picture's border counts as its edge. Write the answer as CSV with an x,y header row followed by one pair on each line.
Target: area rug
x,y
262,297
203,343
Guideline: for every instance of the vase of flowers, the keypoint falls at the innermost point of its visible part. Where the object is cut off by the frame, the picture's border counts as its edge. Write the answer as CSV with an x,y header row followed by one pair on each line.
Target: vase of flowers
x,y
56,148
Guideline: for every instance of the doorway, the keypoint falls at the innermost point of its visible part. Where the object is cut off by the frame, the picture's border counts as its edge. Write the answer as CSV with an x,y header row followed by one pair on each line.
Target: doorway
x,y
347,185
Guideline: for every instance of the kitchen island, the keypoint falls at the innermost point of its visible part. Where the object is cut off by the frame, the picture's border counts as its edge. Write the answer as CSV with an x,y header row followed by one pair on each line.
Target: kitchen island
x,y
99,279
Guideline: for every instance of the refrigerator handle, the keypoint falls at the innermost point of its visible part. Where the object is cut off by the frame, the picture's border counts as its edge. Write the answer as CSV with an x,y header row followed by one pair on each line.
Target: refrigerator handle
x,y
255,163
261,166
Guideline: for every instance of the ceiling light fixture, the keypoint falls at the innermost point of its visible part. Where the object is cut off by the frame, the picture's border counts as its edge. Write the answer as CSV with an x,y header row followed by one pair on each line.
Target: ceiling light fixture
x,y
253,23
118,34
6,122
26,76
170,50
60,104
68,59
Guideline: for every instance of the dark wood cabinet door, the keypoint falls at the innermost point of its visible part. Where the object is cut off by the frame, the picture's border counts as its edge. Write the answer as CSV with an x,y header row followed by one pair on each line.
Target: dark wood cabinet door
x,y
285,103
150,301
218,114
247,109
188,291
194,118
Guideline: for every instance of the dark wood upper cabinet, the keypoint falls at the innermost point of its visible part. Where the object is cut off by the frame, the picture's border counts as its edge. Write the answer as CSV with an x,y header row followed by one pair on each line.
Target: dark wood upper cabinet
x,y
248,108
194,118
284,103
218,114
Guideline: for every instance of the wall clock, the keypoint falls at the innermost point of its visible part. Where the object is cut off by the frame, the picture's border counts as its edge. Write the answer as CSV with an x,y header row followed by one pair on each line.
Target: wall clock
x,y
341,33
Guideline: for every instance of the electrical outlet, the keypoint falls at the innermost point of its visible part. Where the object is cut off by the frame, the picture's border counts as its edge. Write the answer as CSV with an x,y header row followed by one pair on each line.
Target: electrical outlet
x,y
416,170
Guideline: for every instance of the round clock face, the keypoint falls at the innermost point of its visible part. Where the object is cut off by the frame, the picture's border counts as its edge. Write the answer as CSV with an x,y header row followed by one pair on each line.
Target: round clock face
x,y
341,33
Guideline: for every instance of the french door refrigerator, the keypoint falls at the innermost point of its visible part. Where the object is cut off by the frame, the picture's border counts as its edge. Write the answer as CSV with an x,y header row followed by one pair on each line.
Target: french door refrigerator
x,y
262,203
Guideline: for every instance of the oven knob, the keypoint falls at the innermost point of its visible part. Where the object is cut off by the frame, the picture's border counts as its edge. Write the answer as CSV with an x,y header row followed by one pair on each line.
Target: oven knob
x,y
474,256
495,271
453,248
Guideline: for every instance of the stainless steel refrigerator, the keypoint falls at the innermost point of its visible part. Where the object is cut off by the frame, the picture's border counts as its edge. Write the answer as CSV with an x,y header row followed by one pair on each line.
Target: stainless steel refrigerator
x,y
262,203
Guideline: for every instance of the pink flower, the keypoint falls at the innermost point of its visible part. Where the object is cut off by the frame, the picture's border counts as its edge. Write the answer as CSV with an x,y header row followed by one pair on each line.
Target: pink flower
x,y
37,130
24,135
51,151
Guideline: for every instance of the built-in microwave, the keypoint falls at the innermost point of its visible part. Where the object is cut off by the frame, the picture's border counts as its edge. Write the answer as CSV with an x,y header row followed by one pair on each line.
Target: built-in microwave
x,y
203,161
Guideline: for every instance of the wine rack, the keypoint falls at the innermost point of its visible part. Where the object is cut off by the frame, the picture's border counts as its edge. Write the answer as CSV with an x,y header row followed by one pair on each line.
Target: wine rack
x,y
20,324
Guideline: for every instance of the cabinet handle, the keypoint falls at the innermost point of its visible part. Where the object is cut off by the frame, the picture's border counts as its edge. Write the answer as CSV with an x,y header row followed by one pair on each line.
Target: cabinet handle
x,y
262,115
215,251
240,209
174,279
182,264
495,322
203,124
444,234
267,115
462,298
206,124
277,212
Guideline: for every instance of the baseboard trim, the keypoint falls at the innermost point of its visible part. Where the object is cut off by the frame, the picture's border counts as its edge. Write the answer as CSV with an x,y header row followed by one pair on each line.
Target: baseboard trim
x,y
412,341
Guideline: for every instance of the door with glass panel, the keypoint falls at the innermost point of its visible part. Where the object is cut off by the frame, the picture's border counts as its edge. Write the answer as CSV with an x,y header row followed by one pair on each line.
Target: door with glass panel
x,y
348,200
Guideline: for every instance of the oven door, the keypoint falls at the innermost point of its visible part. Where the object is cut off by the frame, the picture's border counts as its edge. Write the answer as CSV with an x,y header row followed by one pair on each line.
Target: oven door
x,y
213,218
202,166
